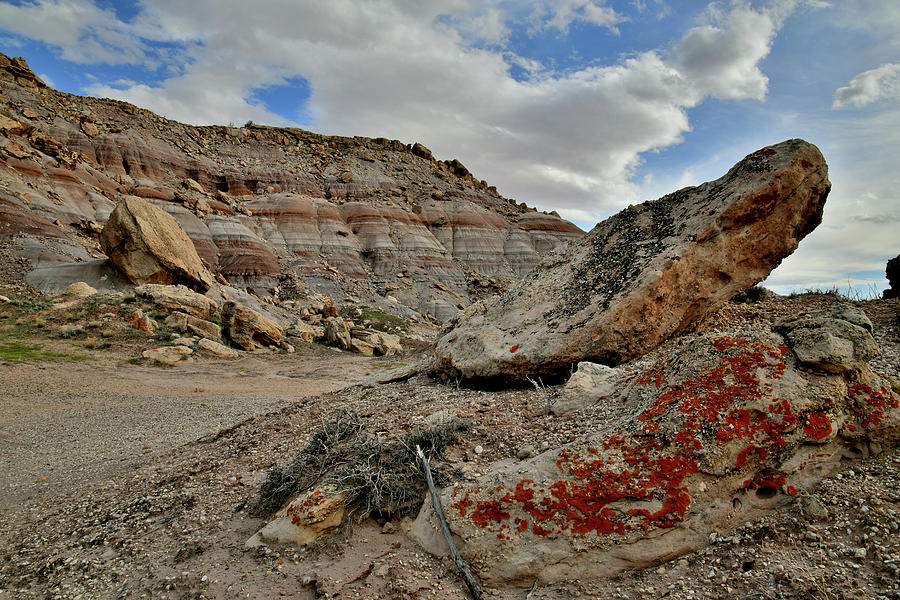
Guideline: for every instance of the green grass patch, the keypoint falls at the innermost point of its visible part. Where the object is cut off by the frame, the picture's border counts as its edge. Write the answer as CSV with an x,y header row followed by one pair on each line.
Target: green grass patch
x,y
381,320
19,352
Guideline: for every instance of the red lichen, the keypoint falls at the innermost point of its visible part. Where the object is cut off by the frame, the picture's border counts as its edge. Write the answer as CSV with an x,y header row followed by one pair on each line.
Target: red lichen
x,y
514,348
817,426
876,403
638,467
805,164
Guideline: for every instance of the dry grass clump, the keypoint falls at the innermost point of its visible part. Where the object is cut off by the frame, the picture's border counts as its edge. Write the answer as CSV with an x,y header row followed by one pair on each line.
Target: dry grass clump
x,y
381,476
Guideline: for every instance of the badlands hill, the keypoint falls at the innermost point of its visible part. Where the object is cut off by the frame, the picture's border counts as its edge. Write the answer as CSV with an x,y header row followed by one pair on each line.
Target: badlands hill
x,y
710,439
271,210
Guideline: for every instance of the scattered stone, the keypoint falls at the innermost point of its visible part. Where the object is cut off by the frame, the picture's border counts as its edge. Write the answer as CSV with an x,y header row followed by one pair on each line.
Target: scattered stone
x,y
590,384
80,289
167,355
142,322
147,245
305,519
835,340
90,129
248,329
217,349
178,298
184,322
388,528
646,274
526,451
337,333
892,271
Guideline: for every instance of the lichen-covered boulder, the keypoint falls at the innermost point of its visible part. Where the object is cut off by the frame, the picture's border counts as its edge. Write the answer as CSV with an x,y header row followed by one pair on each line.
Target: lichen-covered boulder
x,y
646,274
713,433
306,518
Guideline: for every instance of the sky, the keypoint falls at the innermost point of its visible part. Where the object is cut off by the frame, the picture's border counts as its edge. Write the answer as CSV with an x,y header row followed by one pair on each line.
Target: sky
x,y
578,106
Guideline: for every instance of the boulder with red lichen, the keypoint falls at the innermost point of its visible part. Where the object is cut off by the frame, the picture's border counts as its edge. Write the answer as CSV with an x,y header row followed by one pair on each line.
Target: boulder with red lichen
x,y
646,274
716,430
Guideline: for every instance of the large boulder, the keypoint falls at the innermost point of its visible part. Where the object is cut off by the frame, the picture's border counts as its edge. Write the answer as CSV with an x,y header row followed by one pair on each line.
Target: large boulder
x,y
249,330
645,274
714,431
147,245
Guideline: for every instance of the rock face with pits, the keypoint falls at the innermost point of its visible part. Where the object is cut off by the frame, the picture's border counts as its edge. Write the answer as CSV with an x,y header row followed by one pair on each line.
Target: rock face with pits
x,y
646,274
715,430
147,245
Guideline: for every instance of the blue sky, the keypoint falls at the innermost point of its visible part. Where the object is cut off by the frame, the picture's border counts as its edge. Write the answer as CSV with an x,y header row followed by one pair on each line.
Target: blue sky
x,y
579,106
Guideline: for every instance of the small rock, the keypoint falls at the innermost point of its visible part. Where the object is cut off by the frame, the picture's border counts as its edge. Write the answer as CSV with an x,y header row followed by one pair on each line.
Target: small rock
x,y
479,450
90,129
526,451
80,289
388,528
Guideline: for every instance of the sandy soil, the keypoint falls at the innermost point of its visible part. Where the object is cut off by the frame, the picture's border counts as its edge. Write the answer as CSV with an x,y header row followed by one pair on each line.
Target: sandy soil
x,y
66,425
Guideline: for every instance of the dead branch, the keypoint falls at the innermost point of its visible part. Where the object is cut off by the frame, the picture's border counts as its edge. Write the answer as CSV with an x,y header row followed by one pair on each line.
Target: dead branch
x,y
474,587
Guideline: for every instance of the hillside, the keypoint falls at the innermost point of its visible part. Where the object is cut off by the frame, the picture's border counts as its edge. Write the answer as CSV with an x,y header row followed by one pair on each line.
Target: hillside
x,y
271,210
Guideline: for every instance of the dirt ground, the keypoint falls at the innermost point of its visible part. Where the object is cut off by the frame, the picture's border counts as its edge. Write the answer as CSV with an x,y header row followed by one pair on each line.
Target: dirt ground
x,y
126,480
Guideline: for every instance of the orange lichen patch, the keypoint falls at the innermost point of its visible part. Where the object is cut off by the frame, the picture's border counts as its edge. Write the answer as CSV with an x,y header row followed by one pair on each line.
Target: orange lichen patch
x,y
876,401
817,426
629,467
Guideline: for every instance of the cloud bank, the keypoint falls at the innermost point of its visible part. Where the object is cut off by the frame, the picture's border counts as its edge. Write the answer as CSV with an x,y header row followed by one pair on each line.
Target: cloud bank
x,y
436,72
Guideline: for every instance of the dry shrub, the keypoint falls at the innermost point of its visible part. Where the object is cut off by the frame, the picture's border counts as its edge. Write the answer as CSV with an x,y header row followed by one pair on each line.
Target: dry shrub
x,y
381,477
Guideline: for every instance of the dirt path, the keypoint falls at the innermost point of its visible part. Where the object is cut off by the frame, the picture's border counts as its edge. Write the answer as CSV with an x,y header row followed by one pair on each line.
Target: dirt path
x,y
66,425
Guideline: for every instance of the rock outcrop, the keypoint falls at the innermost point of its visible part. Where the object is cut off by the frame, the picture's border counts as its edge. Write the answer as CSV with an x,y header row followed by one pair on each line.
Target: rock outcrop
x,y
178,298
646,274
716,430
148,245
892,271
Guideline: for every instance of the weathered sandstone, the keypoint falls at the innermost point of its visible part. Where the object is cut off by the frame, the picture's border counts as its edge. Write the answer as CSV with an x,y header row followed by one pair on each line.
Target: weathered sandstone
x,y
148,246
647,273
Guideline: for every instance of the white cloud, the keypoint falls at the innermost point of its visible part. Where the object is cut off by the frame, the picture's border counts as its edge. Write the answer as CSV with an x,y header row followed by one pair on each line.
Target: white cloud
x,y
560,14
722,59
84,32
870,86
415,70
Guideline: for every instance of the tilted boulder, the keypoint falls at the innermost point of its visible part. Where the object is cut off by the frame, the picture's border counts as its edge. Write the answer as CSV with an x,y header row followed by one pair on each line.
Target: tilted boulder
x,y
147,245
179,298
646,274
249,330
715,431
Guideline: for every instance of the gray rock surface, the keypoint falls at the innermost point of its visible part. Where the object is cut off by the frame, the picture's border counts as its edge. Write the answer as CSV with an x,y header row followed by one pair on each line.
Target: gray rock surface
x,y
834,340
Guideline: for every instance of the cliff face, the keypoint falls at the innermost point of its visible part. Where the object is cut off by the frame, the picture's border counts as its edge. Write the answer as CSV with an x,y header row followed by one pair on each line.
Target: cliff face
x,y
360,217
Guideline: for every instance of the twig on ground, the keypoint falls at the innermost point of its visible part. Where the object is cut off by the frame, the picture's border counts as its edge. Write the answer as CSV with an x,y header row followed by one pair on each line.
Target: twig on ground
x,y
531,591
474,587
